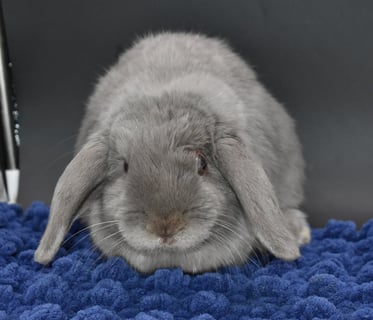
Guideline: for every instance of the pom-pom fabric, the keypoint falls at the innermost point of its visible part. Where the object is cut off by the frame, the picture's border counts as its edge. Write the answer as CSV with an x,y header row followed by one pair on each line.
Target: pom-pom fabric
x,y
332,280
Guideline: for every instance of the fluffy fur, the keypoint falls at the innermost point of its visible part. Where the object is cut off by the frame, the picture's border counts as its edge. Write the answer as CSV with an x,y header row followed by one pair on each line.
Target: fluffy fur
x,y
169,96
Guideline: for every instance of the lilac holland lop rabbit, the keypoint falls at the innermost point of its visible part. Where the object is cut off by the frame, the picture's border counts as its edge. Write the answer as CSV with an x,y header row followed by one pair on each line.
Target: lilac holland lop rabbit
x,y
183,160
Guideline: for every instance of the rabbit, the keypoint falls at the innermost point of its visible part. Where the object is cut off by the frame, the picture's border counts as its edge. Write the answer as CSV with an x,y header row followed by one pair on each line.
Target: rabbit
x,y
184,160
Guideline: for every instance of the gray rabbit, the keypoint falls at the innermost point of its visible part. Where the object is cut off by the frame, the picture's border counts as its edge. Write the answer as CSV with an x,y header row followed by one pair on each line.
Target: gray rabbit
x,y
183,160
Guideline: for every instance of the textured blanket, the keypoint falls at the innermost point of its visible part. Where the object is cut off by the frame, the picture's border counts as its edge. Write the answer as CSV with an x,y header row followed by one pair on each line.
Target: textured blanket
x,y
332,280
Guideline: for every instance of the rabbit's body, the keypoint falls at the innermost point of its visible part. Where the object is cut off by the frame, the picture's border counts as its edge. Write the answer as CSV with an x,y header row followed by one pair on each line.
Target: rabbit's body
x,y
174,92
205,66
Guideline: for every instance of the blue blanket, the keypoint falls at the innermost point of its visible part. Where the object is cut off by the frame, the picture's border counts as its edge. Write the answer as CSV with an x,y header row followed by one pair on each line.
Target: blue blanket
x,y
332,280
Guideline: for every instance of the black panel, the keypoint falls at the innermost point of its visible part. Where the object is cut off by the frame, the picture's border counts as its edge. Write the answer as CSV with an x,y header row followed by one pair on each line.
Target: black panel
x,y
314,56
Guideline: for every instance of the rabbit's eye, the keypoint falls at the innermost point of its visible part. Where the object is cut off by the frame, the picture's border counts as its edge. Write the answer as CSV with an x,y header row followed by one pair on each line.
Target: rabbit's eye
x,y
201,164
125,166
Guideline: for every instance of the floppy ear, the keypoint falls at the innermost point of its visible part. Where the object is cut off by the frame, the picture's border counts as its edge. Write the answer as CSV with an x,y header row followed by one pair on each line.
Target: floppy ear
x,y
81,176
255,192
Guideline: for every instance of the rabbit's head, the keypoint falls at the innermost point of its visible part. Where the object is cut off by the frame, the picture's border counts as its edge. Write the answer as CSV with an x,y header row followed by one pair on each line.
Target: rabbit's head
x,y
169,185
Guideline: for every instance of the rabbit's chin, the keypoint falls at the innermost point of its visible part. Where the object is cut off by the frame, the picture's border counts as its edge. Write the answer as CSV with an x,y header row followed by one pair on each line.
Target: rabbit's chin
x,y
208,256
214,246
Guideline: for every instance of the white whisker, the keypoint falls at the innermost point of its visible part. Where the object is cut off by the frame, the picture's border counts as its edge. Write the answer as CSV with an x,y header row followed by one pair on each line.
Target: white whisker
x,y
88,227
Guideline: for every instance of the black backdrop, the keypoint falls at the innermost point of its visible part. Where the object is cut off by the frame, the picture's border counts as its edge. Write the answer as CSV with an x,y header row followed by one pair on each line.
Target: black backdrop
x,y
314,56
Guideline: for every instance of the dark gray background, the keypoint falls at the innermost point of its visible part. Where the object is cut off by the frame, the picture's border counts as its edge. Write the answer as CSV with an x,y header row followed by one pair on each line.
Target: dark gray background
x,y
314,56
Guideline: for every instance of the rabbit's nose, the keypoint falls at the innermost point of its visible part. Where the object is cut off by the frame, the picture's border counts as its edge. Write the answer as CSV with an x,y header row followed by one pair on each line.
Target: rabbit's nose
x,y
166,227
166,234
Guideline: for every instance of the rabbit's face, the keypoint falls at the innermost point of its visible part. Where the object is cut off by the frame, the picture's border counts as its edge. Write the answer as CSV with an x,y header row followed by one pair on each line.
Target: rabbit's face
x,y
164,198
164,191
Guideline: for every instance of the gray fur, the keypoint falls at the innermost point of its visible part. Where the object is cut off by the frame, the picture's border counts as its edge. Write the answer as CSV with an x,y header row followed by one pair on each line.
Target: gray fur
x,y
168,96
